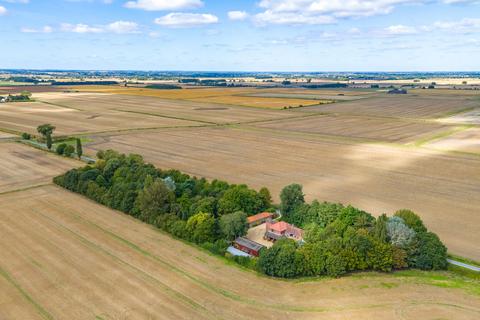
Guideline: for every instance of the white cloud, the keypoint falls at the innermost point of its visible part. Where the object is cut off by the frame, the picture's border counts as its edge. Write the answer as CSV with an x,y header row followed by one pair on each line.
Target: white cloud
x,y
45,29
466,25
237,15
120,27
327,11
183,20
80,28
400,30
3,10
160,5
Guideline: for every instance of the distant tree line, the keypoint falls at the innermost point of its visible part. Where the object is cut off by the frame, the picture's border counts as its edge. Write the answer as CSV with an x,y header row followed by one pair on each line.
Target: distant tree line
x,y
164,86
338,238
83,83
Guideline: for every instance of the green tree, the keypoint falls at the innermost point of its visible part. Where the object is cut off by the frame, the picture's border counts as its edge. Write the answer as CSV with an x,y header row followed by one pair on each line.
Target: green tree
x,y
233,225
240,198
281,260
49,141
154,200
411,219
380,230
266,197
79,148
45,129
431,254
61,148
68,151
291,197
201,227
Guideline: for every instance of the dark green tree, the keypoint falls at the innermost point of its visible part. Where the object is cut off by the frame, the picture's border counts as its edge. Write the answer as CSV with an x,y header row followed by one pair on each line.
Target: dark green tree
x,y
49,141
61,148
45,129
68,151
431,253
291,198
380,230
79,148
154,200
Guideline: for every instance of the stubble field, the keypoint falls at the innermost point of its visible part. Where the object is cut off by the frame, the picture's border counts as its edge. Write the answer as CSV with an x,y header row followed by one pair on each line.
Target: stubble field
x,y
442,188
66,257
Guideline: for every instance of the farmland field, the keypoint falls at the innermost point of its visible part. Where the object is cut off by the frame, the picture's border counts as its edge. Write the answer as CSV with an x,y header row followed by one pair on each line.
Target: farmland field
x,y
408,106
26,116
24,166
228,96
376,178
66,257
465,141
360,127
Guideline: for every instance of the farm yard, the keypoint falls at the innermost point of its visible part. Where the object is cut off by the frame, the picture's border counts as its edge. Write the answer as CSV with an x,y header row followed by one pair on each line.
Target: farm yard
x,y
362,151
125,269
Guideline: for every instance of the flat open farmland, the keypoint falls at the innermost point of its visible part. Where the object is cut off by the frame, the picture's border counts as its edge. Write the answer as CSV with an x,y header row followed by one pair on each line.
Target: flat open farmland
x,y
400,106
469,117
181,109
359,127
465,141
443,189
65,257
26,116
229,96
23,166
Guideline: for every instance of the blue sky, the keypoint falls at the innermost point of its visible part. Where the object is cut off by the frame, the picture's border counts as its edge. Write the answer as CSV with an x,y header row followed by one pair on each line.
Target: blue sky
x,y
241,35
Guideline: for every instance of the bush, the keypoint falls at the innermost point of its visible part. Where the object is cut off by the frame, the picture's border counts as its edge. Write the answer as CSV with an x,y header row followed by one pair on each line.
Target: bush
x,y
68,151
26,136
61,148
431,254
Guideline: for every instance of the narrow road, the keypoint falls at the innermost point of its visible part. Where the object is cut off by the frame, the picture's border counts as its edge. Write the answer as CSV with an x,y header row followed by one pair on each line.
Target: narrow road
x,y
464,265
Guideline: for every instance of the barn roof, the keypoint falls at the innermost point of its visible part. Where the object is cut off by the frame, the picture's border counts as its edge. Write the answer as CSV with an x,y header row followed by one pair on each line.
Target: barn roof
x,y
247,243
259,216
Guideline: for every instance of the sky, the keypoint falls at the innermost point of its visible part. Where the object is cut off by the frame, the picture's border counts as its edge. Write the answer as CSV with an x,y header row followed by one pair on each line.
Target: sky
x,y
241,35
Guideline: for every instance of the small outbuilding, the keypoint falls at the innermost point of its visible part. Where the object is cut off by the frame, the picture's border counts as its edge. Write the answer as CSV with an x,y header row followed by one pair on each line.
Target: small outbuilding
x,y
248,246
281,229
258,219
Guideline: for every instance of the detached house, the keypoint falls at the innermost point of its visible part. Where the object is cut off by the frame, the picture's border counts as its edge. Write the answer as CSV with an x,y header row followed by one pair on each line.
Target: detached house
x,y
277,230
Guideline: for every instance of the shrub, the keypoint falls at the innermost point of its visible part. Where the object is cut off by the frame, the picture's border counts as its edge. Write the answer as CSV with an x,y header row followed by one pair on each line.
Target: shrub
x,y
26,136
68,151
61,148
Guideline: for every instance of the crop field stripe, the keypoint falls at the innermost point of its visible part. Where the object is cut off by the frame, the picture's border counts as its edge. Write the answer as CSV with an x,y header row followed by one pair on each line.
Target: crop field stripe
x,y
165,116
97,247
44,313
441,135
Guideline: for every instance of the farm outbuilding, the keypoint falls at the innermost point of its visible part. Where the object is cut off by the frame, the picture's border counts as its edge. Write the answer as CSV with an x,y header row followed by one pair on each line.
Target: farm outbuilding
x,y
248,246
277,230
258,219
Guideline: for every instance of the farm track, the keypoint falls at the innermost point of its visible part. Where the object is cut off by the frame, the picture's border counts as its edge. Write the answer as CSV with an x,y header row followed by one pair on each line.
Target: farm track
x,y
58,234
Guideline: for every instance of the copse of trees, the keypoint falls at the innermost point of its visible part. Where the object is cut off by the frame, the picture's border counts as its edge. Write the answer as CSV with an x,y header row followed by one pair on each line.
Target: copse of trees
x,y
207,213
338,239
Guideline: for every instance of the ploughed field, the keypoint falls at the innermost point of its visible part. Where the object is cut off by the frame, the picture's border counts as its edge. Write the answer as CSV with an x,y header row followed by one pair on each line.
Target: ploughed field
x,y
65,257
442,188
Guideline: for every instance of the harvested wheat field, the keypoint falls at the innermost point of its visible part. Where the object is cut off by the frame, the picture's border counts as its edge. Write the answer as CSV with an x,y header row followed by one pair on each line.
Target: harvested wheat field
x,y
26,116
464,141
65,257
228,96
144,107
360,127
23,166
442,188
401,106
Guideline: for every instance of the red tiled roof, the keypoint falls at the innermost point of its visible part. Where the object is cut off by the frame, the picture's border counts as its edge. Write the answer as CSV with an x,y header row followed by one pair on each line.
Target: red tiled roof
x,y
259,216
279,227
